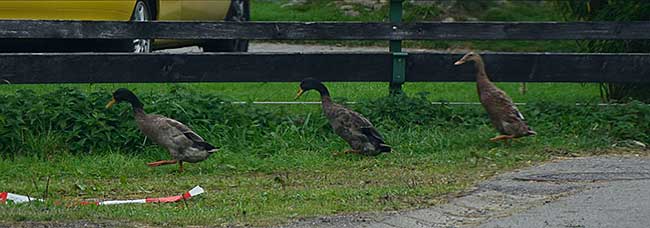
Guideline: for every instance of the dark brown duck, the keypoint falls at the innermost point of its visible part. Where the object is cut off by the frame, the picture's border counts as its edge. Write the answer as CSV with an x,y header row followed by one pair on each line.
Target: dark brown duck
x,y
183,144
355,129
503,113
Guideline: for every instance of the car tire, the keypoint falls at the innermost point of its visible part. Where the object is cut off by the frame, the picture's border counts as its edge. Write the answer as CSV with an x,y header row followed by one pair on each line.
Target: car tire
x,y
141,12
239,11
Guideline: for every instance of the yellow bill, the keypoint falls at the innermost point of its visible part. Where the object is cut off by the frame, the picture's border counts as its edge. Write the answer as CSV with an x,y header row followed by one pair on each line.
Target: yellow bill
x,y
459,62
300,91
111,103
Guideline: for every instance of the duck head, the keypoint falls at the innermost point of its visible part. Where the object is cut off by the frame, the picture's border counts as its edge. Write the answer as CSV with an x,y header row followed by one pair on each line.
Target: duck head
x,y
123,94
469,57
312,83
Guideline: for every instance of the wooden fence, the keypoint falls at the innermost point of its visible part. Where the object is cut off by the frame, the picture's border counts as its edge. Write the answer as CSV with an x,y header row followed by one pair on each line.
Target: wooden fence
x,y
290,67
21,68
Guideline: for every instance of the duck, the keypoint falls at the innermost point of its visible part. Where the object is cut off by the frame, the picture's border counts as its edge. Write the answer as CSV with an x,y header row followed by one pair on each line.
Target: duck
x,y
354,128
183,144
503,113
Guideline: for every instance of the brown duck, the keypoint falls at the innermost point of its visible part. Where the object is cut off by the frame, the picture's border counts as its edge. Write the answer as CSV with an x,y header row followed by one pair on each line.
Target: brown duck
x,y
503,113
355,129
183,144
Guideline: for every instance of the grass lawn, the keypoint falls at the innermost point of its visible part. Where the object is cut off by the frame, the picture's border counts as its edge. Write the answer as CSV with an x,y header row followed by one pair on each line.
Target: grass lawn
x,y
349,91
242,189
270,178
271,172
325,10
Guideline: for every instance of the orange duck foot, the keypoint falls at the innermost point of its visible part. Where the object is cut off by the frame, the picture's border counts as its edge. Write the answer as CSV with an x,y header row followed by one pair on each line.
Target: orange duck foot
x,y
163,162
347,152
501,137
351,152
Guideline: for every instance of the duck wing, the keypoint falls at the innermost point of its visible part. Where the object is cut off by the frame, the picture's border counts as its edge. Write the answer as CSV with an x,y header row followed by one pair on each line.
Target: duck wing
x,y
197,141
512,121
376,139
347,118
172,134
355,122
372,134
184,129
509,108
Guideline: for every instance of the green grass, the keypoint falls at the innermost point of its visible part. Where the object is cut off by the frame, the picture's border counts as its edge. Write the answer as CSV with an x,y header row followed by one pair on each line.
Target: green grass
x,y
349,91
299,178
511,11
277,193
316,11
276,163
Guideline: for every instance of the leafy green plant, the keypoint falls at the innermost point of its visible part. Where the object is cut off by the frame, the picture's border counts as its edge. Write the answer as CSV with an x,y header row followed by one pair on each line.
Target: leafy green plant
x,y
80,122
70,121
602,10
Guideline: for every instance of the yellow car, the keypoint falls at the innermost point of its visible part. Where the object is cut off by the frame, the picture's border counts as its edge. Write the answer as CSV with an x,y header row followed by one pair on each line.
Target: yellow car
x,y
123,10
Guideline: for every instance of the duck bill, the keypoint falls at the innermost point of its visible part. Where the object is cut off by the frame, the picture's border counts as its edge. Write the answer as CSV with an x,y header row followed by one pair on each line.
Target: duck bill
x,y
300,91
459,62
111,103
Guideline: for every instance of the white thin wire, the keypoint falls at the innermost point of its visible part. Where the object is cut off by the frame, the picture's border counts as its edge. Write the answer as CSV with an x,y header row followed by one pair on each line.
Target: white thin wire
x,y
354,102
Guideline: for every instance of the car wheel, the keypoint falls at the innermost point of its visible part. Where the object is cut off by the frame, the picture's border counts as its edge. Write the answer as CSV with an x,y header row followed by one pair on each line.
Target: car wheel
x,y
239,11
141,12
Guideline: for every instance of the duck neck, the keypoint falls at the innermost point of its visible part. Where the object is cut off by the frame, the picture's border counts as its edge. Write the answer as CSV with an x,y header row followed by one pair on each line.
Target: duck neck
x,y
324,95
138,107
481,77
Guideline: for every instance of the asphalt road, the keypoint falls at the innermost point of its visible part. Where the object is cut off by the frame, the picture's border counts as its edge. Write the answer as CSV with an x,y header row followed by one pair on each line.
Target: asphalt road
x,y
609,191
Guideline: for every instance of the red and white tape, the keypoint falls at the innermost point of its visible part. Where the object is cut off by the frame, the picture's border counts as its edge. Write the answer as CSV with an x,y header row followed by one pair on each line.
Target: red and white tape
x,y
15,198
6,196
194,192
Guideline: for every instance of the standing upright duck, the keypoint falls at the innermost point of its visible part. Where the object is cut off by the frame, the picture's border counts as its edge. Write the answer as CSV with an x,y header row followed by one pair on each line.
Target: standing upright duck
x,y
183,144
355,129
503,113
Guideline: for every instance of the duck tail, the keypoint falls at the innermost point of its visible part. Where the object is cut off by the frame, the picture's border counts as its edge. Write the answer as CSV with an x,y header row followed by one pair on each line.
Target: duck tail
x,y
531,132
384,148
206,146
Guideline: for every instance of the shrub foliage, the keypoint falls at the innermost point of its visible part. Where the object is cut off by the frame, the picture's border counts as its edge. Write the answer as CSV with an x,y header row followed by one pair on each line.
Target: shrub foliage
x,y
70,121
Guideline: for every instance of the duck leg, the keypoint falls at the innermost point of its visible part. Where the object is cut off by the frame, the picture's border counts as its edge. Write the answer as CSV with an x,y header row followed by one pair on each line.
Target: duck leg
x,y
350,151
523,89
163,162
502,137
180,166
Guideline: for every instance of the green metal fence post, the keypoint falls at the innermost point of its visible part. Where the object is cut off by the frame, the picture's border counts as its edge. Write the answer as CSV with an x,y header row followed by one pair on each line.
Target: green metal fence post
x,y
399,57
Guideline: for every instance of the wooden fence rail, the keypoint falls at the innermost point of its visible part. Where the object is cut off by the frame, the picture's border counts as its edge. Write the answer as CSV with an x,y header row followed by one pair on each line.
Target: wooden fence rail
x,y
21,29
291,67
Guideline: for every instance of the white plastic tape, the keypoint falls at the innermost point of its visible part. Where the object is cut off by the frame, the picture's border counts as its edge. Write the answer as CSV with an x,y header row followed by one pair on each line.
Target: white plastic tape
x,y
189,194
15,198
